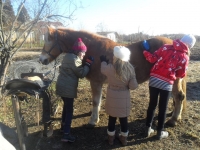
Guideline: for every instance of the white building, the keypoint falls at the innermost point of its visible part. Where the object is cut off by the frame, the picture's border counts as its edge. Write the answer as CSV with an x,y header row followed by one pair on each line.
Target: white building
x,y
111,35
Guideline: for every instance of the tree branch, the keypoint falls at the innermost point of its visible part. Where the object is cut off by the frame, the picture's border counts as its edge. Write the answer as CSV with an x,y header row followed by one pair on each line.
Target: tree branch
x,y
1,22
30,29
13,24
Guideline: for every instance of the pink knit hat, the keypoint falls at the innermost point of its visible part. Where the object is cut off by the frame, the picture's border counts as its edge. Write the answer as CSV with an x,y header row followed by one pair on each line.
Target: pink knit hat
x,y
79,46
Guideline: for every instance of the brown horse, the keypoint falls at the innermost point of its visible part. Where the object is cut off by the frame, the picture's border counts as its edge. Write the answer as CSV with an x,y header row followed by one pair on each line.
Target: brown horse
x,y
61,40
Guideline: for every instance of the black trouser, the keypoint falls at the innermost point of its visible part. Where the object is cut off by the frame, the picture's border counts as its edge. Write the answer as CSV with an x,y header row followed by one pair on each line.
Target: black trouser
x,y
162,107
123,123
67,113
46,104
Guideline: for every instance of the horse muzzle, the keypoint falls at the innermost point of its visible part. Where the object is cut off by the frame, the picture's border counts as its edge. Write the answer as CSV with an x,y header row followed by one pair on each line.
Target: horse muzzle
x,y
43,60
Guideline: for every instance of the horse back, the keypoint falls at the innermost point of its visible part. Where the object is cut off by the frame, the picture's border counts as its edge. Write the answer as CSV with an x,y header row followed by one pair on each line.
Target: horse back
x,y
103,46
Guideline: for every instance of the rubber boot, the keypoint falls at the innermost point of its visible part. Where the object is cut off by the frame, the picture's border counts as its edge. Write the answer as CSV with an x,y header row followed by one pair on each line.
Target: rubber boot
x,y
111,137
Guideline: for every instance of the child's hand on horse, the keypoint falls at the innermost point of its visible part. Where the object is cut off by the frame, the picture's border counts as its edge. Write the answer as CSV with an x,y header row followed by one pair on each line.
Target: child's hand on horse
x,y
145,45
89,61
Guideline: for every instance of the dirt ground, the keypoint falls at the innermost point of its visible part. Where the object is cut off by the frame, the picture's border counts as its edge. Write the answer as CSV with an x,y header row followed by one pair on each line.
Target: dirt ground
x,y
184,136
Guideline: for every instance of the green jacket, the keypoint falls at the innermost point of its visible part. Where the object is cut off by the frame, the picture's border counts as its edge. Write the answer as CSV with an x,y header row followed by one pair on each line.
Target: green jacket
x,y
71,70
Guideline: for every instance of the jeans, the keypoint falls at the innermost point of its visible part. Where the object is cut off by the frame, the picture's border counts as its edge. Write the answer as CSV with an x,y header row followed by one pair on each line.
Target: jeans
x,y
162,107
123,123
67,113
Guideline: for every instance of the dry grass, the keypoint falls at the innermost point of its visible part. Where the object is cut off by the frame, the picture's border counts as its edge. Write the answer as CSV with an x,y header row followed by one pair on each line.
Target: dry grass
x,y
26,55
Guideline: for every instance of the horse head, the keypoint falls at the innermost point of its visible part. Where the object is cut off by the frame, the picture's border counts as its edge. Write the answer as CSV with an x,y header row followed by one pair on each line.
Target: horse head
x,y
53,45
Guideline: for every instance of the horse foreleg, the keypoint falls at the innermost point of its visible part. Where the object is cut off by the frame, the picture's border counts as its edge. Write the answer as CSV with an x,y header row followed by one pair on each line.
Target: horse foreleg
x,y
96,99
179,98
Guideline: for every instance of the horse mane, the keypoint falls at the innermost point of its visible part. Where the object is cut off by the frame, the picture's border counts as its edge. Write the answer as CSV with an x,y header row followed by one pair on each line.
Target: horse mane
x,y
94,34
63,31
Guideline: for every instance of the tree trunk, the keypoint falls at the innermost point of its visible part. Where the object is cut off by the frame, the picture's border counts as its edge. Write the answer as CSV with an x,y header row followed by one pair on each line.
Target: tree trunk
x,y
3,76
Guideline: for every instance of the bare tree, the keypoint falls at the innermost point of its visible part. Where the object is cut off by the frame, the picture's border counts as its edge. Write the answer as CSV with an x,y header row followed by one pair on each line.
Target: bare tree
x,y
81,26
23,15
7,13
10,43
101,27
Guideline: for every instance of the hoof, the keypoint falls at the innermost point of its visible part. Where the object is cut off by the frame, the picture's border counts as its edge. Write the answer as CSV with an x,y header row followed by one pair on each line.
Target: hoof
x,y
89,126
171,123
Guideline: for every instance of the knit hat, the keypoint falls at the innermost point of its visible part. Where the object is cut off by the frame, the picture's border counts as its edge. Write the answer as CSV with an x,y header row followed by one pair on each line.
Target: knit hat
x,y
79,46
189,40
122,53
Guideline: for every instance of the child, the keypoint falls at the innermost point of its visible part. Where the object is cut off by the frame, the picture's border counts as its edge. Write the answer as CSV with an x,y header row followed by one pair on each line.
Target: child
x,y
71,70
121,78
171,62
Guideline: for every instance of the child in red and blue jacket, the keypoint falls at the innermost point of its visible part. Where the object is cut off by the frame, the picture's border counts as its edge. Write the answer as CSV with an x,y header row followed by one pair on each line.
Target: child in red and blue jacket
x,y
170,63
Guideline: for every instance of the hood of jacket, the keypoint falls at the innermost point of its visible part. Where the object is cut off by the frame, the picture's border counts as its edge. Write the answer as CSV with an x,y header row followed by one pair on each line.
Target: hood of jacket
x,y
180,46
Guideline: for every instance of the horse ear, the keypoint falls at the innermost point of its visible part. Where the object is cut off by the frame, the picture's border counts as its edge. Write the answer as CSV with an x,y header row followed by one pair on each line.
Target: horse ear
x,y
50,32
47,27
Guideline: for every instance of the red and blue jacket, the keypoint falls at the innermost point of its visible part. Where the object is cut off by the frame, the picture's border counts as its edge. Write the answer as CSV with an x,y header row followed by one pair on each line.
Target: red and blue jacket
x,y
171,61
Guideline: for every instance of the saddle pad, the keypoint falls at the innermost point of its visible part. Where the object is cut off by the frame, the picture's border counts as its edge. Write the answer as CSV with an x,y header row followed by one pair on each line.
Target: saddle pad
x,y
22,83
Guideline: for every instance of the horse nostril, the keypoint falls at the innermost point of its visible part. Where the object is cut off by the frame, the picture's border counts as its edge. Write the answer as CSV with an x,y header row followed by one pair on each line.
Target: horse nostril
x,y
45,62
39,61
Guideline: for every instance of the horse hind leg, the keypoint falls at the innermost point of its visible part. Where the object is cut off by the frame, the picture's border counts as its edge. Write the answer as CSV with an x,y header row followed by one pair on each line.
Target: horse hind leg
x,y
179,99
184,90
96,99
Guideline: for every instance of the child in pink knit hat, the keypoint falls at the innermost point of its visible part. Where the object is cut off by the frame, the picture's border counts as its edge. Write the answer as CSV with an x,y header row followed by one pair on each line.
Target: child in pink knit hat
x,y
71,70
79,46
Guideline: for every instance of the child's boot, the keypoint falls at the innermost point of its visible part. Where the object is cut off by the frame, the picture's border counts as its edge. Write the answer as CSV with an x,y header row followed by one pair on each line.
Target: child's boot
x,y
111,137
123,138
148,131
162,134
68,138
